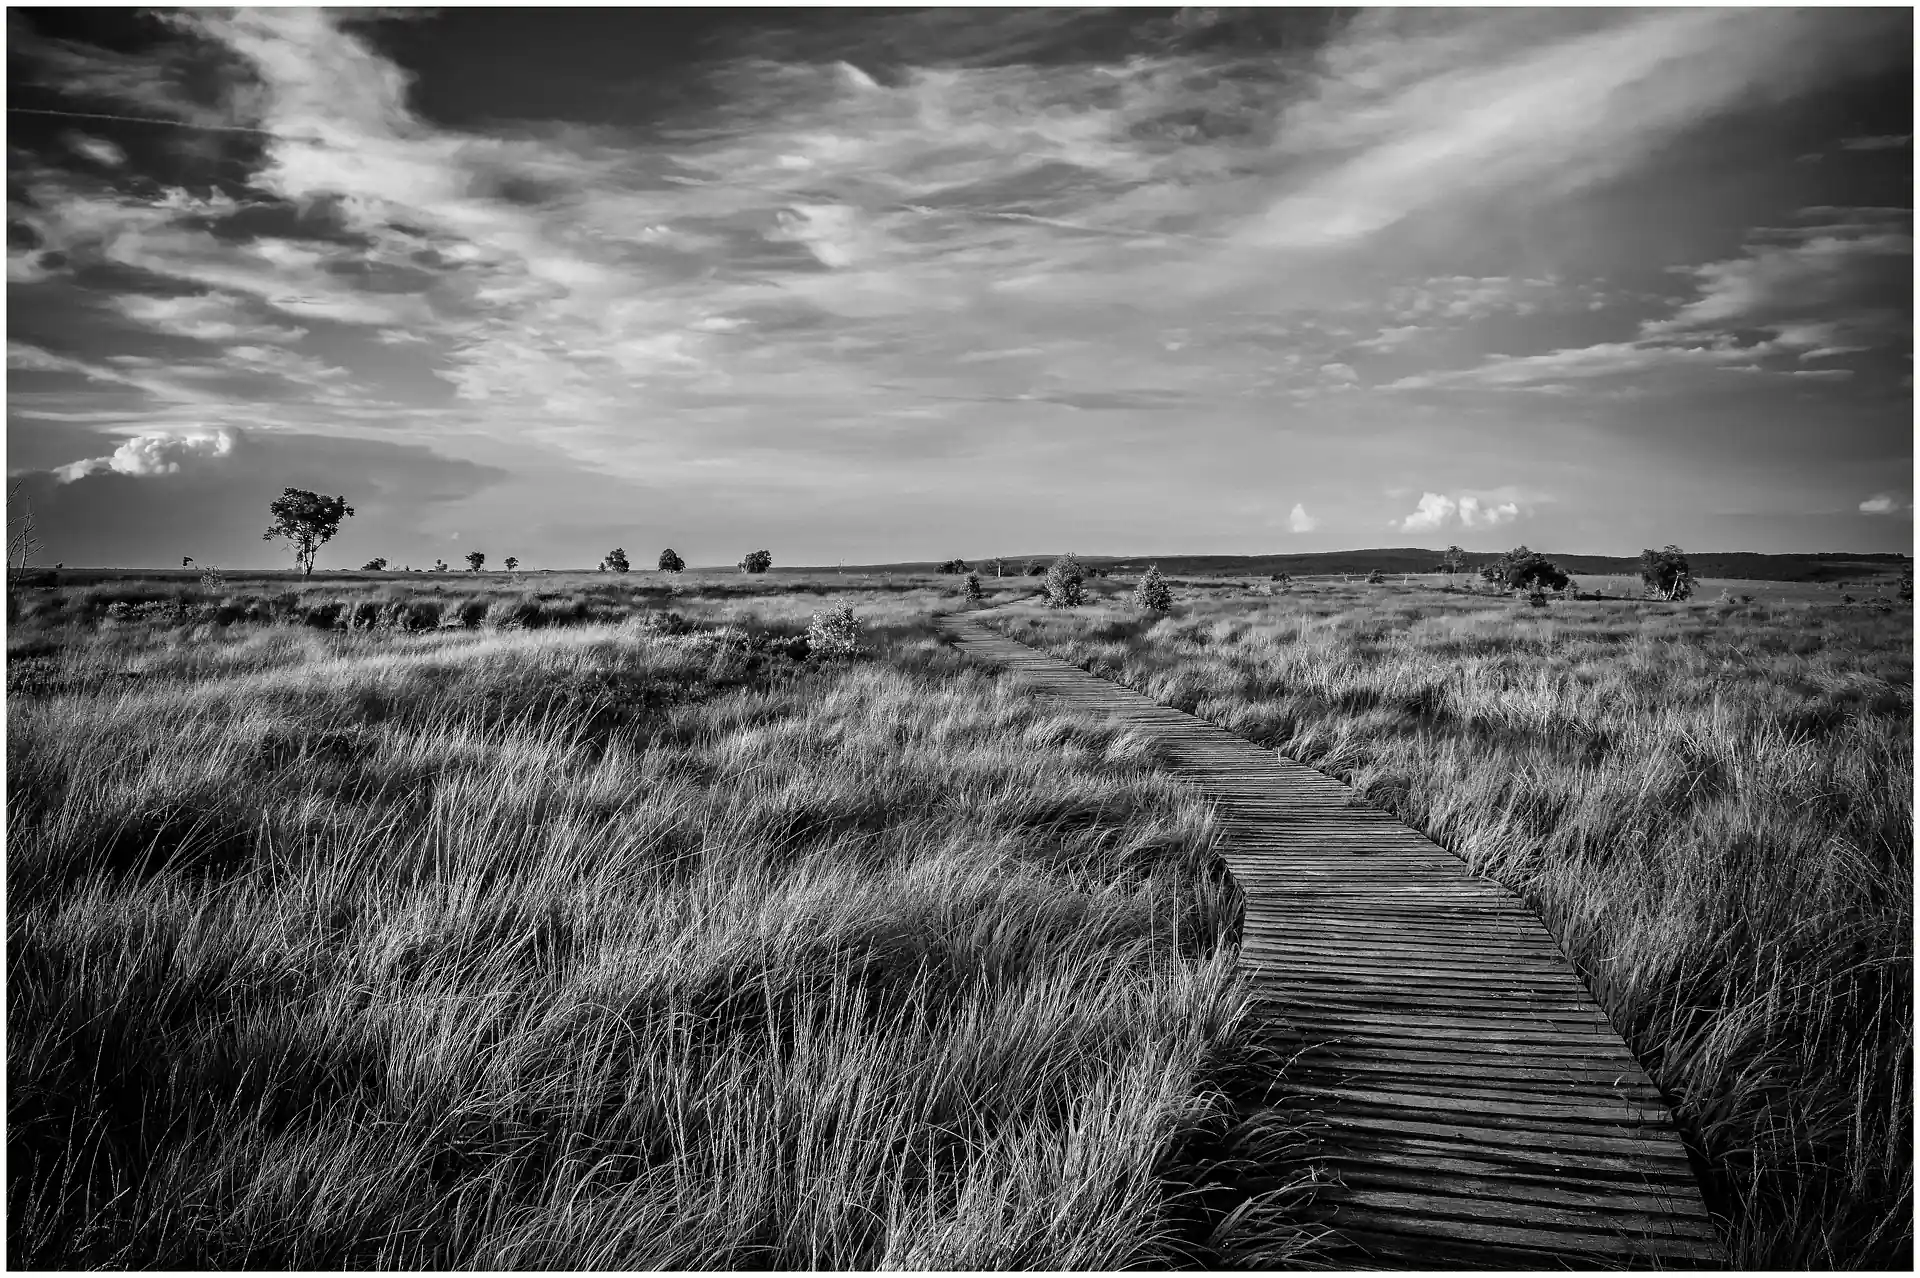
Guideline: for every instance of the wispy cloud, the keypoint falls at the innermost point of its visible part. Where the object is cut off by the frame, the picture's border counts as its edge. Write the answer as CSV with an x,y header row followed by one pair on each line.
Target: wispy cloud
x,y
1885,504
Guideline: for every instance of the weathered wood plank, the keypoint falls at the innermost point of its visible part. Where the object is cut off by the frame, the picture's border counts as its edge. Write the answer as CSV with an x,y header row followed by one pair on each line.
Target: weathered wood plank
x,y
1473,1101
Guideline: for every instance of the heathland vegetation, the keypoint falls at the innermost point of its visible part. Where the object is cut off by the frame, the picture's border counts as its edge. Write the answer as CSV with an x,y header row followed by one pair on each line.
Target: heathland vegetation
x,y
1710,804
379,927
707,920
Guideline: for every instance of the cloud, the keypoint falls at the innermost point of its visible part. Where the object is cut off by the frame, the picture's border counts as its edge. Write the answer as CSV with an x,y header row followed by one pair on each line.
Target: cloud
x,y
1431,111
1434,510
204,317
1823,294
1884,504
99,150
1437,510
1299,521
1878,142
156,453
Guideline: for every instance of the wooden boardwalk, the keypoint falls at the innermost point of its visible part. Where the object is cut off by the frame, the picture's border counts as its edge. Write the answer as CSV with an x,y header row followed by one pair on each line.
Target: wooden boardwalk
x,y
1474,1105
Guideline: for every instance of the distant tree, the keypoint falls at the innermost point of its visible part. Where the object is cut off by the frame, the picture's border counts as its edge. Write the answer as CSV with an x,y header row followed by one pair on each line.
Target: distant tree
x,y
1151,593
955,566
374,565
616,560
186,561
511,562
1035,568
1455,560
1664,574
971,588
999,567
439,565
308,521
757,561
1066,582
475,559
1523,569
1376,578
670,561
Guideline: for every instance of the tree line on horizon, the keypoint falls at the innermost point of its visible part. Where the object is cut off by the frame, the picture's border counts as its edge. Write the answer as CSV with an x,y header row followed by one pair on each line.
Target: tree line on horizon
x,y
306,521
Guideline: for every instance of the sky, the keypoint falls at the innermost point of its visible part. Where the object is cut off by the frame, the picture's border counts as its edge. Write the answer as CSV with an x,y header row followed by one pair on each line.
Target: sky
x,y
886,285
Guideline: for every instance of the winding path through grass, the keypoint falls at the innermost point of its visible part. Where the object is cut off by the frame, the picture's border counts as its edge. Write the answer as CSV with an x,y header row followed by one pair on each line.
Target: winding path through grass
x,y
1474,1103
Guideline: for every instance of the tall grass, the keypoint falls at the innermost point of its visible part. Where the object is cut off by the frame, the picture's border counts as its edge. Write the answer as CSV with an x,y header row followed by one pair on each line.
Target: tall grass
x,y
588,948
1711,806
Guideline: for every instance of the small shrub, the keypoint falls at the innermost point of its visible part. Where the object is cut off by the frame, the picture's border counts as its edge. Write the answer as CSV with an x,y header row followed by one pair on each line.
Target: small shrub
x,y
211,580
971,588
835,632
1066,582
1152,594
1376,578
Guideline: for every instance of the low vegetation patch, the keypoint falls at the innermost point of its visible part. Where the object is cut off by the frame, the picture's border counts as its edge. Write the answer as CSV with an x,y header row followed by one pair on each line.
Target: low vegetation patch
x,y
1711,806
404,932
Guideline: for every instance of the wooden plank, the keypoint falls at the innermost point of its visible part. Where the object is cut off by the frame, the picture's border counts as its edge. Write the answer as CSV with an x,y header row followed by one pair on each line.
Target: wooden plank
x,y
1476,1105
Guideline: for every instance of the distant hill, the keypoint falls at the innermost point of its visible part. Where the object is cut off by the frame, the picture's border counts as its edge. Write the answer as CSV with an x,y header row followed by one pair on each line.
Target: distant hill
x,y
1739,564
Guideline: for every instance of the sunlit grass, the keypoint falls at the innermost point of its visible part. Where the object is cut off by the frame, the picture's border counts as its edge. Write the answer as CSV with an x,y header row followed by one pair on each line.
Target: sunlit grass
x,y
593,946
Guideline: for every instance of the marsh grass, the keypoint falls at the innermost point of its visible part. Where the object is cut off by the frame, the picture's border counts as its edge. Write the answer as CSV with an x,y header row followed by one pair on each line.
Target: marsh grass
x,y
608,944
1710,805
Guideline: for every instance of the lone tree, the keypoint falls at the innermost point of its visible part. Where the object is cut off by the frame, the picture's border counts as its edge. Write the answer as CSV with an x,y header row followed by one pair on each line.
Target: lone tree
x,y
439,565
511,563
308,521
1455,560
475,558
616,560
1151,593
1066,582
971,588
757,561
1664,574
374,565
670,561
1523,569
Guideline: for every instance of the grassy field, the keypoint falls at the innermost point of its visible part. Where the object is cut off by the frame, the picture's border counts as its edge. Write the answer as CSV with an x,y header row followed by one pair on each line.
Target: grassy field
x,y
592,924
1711,804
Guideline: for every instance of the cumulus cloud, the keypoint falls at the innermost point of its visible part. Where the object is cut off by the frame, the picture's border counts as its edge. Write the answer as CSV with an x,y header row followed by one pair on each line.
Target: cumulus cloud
x,y
1884,504
1299,521
1437,510
154,453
